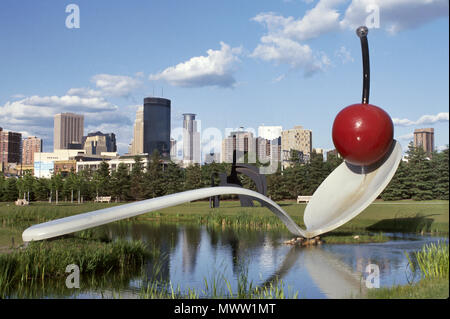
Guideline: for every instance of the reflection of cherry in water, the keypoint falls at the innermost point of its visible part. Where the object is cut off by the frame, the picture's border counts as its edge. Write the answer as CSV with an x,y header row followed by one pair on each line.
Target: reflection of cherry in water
x,y
363,133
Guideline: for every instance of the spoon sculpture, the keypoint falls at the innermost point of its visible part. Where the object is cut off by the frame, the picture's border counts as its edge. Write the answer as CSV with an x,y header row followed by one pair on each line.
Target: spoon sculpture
x,y
362,133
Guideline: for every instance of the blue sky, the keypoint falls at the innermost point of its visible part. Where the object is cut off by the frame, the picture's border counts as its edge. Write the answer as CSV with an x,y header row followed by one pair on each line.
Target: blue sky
x,y
233,63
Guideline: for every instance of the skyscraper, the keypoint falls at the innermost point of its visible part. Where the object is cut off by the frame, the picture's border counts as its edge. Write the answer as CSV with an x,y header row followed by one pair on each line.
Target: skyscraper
x,y
191,140
30,145
96,143
297,139
152,127
241,141
10,143
68,129
268,150
157,125
137,144
173,149
424,138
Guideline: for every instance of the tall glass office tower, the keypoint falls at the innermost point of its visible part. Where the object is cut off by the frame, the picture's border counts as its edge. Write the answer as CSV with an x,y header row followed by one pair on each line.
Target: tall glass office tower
x,y
156,115
191,140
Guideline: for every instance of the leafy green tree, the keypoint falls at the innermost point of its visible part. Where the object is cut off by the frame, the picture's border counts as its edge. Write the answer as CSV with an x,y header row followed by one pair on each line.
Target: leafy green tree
x,y
294,180
275,186
212,169
421,173
20,187
333,161
316,172
400,185
193,177
29,181
41,189
2,185
247,182
101,180
137,187
57,184
440,166
11,191
153,177
70,185
120,183
173,178
82,182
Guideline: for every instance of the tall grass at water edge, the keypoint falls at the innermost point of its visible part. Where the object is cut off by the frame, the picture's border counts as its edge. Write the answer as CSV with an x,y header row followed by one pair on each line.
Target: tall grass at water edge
x,y
432,261
47,260
431,264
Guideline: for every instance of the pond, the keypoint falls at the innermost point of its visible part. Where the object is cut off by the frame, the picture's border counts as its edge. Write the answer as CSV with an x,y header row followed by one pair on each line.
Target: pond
x,y
194,256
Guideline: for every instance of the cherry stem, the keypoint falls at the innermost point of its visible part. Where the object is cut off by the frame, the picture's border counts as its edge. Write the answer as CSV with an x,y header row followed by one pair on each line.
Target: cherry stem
x,y
362,34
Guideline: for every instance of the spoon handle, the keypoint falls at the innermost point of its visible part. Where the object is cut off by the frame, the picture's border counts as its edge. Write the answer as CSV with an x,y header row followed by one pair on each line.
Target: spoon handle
x,y
362,34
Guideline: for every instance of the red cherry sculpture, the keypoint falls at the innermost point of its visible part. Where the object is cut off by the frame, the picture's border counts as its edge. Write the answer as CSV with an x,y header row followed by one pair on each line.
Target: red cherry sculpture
x,y
362,133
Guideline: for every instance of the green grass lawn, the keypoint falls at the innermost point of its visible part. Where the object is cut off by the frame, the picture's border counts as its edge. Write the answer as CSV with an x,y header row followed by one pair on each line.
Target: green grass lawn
x,y
380,216
424,289
401,216
15,219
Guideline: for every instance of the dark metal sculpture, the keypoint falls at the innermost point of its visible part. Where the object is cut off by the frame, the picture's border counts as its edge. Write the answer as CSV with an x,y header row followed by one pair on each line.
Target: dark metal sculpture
x,y
233,180
214,201
362,34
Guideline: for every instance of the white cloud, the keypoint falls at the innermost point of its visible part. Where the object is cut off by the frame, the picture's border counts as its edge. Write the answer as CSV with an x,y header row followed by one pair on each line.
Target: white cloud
x,y
284,42
34,115
39,108
109,85
395,15
116,85
344,55
17,96
287,51
321,19
423,120
69,102
215,69
84,92
406,137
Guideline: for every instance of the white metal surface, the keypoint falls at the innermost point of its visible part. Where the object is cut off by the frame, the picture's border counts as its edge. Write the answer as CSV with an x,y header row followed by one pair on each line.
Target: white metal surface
x,y
344,194
79,222
341,196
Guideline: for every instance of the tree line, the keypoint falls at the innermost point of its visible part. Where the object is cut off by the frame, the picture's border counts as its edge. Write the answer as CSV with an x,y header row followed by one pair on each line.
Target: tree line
x,y
418,178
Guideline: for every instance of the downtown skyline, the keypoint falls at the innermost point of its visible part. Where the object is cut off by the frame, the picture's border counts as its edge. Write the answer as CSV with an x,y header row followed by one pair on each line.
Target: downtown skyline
x,y
234,64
